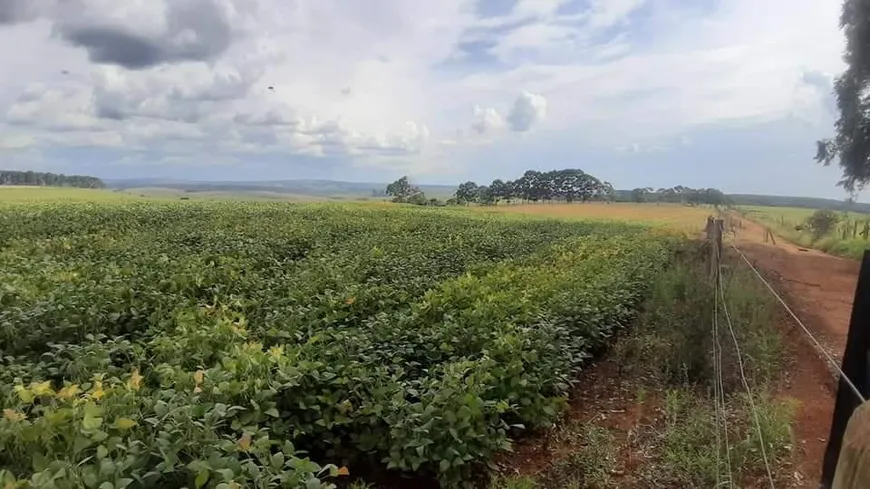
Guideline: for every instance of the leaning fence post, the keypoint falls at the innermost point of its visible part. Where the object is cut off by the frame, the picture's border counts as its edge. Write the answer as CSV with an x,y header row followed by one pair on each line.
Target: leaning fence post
x,y
854,366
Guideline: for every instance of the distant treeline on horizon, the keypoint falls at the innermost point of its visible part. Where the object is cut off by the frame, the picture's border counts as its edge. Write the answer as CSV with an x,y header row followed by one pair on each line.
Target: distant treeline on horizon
x,y
39,179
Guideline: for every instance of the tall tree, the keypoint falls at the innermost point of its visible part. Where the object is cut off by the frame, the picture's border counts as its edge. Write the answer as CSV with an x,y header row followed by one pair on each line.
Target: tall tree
x,y
467,192
402,191
851,144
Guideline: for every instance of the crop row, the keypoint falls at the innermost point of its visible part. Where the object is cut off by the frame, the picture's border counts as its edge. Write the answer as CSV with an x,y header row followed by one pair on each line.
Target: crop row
x,y
227,345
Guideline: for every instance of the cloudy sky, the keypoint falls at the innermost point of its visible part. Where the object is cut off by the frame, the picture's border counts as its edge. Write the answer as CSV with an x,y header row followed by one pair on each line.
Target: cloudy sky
x,y
722,93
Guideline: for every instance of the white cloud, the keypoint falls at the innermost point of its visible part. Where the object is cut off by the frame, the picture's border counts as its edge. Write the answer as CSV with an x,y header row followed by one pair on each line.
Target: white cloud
x,y
486,120
386,83
529,109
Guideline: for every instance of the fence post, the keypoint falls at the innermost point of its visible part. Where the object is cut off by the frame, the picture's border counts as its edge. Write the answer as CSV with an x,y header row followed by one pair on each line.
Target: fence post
x,y
715,229
854,365
853,464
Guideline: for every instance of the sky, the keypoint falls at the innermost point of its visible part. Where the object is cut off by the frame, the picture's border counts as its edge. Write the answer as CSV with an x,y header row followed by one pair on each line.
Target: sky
x,y
730,94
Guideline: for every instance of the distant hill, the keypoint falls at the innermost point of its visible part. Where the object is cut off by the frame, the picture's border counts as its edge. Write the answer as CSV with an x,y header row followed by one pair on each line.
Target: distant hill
x,y
315,188
336,189
805,202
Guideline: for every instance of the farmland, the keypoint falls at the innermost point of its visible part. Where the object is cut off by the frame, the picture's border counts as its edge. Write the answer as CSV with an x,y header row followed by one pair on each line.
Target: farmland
x,y
845,239
263,344
676,217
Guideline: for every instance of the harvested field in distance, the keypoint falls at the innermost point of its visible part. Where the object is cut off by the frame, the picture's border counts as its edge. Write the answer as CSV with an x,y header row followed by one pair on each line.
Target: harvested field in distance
x,y
674,216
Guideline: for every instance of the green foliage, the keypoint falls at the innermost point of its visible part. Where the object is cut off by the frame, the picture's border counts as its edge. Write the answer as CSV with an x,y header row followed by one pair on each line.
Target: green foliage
x,y
822,222
690,441
48,179
587,466
851,145
230,344
403,192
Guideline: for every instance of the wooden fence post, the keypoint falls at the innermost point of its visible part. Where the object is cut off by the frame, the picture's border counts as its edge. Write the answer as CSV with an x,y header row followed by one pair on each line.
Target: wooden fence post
x,y
853,464
715,228
854,366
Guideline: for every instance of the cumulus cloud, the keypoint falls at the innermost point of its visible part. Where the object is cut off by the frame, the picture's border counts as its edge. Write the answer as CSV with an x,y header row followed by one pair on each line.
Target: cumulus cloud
x,y
192,30
486,120
134,35
528,110
15,11
339,79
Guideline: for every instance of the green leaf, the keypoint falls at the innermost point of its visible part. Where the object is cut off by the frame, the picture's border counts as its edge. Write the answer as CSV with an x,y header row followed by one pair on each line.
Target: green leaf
x,y
278,460
124,423
102,451
201,478
91,422
313,483
40,463
81,443
273,413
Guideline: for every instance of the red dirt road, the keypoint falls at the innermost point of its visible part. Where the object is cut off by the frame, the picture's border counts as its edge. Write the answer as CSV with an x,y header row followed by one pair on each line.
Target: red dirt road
x,y
819,289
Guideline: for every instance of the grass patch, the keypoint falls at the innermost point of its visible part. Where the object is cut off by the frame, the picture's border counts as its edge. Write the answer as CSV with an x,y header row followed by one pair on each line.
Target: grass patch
x,y
672,348
591,454
667,360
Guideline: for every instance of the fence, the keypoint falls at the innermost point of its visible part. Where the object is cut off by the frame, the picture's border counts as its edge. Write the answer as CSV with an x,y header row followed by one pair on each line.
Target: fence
x,y
846,463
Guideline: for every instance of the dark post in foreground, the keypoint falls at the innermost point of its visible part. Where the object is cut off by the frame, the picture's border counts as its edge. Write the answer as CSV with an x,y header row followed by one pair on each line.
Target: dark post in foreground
x,y
855,364
853,465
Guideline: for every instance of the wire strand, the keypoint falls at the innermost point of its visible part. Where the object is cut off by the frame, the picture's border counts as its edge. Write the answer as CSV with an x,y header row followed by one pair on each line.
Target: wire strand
x,y
719,384
745,383
806,330
716,393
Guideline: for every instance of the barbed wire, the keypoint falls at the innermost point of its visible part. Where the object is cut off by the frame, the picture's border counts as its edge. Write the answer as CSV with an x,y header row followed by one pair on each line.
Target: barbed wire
x,y
743,379
800,323
719,390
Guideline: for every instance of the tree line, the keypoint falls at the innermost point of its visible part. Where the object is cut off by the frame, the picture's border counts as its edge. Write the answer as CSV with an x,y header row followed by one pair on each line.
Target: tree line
x,y
49,179
680,195
568,185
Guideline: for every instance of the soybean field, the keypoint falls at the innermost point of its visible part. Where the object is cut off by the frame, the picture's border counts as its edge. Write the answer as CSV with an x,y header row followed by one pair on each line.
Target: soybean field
x,y
266,344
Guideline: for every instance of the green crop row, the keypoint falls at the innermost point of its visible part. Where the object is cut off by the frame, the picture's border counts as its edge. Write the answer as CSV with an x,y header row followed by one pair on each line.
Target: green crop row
x,y
272,345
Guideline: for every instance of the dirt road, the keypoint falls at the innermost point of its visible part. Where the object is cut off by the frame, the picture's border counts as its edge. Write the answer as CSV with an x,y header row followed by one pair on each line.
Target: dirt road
x,y
819,289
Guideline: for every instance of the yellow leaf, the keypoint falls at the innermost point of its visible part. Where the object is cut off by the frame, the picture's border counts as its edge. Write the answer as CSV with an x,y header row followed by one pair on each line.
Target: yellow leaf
x,y
97,391
234,485
24,393
244,442
135,380
13,415
350,300
42,389
197,390
343,471
276,351
125,423
198,376
68,392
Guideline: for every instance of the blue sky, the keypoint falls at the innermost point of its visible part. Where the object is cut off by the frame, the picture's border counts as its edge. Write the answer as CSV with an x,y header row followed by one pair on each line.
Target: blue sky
x,y
729,94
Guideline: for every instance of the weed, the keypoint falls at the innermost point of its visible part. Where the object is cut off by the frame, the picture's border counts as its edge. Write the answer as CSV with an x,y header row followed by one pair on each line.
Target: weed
x,y
589,465
513,482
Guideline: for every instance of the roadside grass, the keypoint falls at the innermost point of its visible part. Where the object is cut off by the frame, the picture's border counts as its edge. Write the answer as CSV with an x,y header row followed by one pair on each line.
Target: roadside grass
x,y
844,240
667,356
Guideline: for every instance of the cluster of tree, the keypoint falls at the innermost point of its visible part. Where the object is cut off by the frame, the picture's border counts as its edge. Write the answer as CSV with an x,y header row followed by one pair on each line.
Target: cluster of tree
x,y
680,195
569,185
49,179
403,192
